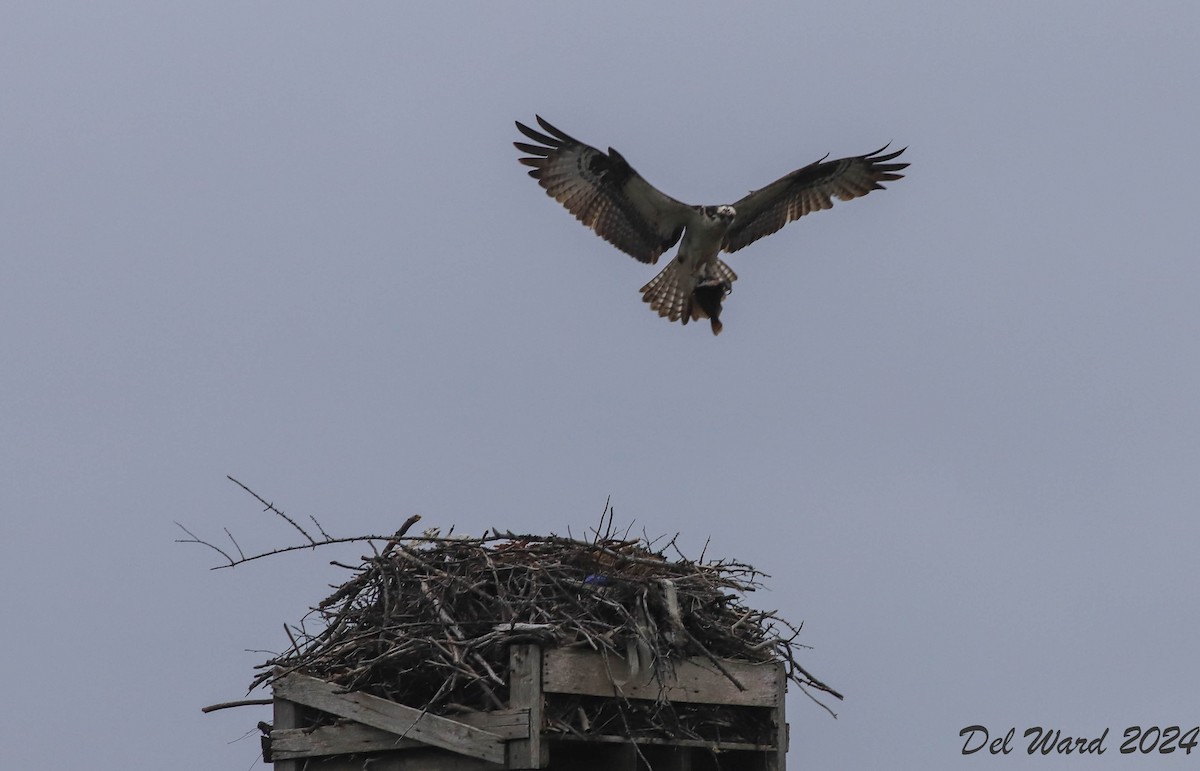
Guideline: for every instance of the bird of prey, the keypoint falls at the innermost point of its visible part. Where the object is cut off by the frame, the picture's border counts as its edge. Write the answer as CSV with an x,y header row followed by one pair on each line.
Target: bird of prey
x,y
604,192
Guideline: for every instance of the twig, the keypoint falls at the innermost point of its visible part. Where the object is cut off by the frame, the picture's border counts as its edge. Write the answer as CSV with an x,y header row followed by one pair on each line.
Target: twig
x,y
214,547
238,703
271,507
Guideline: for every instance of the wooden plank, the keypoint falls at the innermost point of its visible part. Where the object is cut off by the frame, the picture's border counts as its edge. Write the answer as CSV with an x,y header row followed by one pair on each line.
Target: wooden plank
x,y
696,680
348,738
507,723
424,759
525,692
403,721
657,741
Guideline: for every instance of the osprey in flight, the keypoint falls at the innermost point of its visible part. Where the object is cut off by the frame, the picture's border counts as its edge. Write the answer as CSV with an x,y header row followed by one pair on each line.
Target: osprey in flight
x,y
604,192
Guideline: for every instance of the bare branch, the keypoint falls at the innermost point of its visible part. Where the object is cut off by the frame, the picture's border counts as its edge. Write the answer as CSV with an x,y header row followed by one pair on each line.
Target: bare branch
x,y
195,539
235,543
319,528
271,507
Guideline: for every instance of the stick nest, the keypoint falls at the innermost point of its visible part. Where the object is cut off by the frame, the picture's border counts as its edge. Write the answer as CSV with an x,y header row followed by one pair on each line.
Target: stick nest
x,y
427,620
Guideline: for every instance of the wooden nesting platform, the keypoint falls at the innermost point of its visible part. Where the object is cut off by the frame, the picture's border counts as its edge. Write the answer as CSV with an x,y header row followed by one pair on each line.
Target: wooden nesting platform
x,y
380,735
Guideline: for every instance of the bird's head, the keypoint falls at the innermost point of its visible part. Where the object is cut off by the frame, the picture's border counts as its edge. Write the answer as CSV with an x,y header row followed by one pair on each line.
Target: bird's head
x,y
724,213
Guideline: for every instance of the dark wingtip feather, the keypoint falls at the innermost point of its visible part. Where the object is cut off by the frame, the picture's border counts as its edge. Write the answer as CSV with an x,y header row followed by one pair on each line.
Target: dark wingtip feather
x,y
525,147
876,158
545,124
538,136
881,169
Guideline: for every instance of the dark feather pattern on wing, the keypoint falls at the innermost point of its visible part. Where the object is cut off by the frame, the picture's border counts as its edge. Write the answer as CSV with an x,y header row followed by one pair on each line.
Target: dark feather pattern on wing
x,y
806,190
603,192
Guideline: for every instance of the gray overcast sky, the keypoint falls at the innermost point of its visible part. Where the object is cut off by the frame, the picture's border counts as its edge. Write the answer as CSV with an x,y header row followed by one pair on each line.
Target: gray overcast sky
x,y
956,421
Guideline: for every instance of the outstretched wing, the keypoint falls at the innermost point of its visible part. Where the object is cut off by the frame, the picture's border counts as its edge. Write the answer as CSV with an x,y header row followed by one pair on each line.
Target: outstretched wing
x,y
809,189
604,193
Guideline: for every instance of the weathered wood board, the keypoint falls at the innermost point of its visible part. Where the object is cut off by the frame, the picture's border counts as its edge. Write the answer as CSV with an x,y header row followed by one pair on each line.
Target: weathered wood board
x,y
349,738
397,719
589,674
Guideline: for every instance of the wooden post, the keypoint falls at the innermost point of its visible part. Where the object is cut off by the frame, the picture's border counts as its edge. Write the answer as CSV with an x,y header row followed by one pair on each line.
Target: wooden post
x,y
287,715
777,760
525,692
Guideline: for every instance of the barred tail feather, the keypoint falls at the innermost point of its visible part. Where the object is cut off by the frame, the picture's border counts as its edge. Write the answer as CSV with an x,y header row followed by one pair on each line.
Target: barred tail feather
x,y
681,296
669,293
